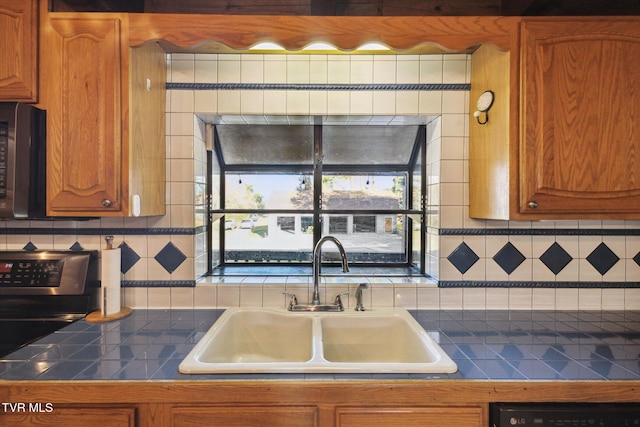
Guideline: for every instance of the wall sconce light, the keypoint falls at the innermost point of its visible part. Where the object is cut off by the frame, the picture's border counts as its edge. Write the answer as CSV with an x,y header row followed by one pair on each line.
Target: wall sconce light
x,y
485,101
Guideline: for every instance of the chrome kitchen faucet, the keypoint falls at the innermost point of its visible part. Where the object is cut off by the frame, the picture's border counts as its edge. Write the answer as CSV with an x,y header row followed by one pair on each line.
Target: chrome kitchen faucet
x,y
315,299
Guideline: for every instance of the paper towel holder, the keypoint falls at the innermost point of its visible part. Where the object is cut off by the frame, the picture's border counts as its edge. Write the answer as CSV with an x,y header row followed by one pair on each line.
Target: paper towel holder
x,y
98,316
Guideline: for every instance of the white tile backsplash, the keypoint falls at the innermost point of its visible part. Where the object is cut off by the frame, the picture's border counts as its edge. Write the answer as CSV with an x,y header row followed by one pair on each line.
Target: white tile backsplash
x,y
448,147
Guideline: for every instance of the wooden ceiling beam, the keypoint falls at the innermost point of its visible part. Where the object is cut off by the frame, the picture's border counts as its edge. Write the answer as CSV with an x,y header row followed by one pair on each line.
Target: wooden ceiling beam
x,y
358,7
516,7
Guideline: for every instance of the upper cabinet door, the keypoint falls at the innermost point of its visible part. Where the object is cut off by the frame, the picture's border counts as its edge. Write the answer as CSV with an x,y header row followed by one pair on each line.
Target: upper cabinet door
x,y
82,93
580,141
18,50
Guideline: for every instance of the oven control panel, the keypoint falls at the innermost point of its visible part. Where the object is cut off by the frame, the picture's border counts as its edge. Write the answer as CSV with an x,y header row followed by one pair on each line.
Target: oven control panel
x,y
48,272
42,273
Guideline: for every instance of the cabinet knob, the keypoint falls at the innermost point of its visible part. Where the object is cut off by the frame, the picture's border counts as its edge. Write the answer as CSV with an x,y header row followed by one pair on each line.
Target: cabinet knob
x,y
533,204
106,203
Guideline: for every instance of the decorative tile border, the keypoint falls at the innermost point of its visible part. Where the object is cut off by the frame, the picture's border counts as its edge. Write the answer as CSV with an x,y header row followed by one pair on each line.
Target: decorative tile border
x,y
483,284
105,231
158,283
508,258
315,86
539,232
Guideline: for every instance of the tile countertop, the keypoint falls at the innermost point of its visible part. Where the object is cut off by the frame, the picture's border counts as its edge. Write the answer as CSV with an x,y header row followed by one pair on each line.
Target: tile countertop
x,y
495,345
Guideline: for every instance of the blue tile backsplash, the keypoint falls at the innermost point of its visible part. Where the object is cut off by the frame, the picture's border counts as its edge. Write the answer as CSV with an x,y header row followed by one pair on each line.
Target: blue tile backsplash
x,y
509,258
555,258
463,258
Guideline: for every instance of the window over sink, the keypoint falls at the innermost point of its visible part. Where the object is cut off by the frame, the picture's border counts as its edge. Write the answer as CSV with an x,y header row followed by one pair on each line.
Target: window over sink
x,y
280,183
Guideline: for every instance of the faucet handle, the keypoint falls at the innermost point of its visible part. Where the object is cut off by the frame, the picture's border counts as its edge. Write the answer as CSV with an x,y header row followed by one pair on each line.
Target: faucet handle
x,y
293,301
359,305
338,300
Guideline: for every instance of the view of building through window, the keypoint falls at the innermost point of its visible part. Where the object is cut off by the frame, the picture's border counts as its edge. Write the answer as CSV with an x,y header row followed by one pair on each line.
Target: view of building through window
x,y
373,230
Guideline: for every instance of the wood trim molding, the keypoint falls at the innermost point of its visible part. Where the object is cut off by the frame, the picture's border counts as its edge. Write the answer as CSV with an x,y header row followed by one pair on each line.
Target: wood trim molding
x,y
446,392
450,34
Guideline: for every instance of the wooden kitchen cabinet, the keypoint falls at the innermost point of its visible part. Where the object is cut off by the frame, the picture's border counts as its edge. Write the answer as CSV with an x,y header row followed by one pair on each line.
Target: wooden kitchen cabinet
x,y
580,148
419,416
575,104
325,402
105,118
55,416
244,416
18,50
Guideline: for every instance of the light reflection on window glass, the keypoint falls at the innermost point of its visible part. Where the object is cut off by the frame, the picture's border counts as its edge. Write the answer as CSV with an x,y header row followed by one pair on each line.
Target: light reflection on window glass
x,y
215,242
269,191
416,242
367,238
282,237
416,195
215,181
364,192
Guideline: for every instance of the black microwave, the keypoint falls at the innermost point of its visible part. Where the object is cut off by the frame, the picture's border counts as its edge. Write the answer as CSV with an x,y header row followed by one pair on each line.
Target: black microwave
x,y
22,161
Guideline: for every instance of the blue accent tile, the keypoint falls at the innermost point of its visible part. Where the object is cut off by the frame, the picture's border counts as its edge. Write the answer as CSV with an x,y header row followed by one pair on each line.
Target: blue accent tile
x,y
637,258
463,258
170,257
602,258
509,258
128,257
30,247
555,258
76,247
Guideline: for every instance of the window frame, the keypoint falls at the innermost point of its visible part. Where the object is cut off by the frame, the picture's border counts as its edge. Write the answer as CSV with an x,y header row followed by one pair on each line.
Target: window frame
x,y
317,170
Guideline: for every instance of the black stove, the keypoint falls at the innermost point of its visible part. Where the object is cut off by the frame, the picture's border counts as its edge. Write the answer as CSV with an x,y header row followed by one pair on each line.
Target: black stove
x,y
43,291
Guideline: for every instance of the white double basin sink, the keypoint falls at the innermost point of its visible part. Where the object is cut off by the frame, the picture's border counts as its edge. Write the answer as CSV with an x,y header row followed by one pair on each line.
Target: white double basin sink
x,y
270,340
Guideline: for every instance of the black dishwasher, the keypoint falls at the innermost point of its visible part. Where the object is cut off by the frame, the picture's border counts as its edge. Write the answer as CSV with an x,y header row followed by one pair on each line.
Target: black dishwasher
x,y
564,414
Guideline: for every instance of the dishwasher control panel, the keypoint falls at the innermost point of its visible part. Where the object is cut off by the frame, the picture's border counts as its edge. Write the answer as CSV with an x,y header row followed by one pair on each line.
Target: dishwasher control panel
x,y
564,414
